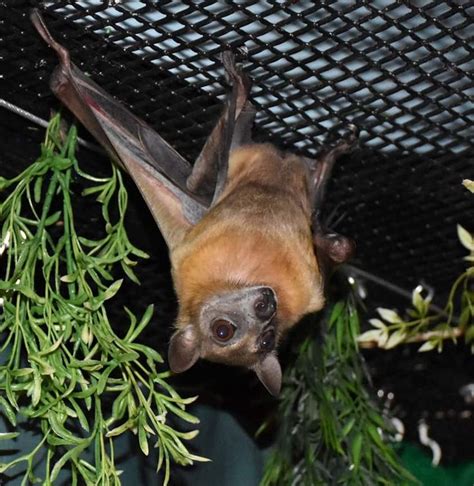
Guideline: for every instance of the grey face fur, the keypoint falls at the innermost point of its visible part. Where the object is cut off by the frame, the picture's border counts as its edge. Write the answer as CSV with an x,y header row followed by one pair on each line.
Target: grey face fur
x,y
245,312
236,327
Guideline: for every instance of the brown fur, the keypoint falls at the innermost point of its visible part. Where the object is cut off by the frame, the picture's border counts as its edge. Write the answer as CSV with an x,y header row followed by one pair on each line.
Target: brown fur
x,y
258,233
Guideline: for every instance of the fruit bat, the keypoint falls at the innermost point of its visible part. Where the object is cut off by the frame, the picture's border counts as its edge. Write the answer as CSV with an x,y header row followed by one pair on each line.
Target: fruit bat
x,y
248,251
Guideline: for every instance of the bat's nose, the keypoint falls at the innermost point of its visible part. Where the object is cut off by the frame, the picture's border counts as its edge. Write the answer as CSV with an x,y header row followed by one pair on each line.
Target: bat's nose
x,y
265,304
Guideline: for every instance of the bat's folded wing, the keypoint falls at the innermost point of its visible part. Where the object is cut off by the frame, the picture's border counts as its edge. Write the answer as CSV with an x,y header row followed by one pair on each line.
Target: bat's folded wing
x,y
157,169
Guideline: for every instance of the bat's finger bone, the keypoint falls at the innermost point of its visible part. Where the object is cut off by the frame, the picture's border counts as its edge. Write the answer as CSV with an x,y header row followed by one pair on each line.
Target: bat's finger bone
x,y
38,22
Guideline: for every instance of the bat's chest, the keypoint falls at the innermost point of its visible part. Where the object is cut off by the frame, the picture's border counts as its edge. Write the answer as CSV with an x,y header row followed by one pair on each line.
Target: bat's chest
x,y
247,255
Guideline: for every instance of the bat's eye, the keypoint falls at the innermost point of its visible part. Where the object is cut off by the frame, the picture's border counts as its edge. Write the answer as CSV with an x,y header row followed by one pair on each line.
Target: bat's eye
x,y
223,330
267,341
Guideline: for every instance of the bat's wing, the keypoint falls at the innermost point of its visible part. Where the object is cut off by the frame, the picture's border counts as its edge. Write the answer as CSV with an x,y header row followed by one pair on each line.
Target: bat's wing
x,y
331,248
158,170
232,130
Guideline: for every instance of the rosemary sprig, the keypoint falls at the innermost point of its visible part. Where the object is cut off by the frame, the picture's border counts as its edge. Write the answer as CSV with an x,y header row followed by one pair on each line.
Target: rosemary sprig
x,y
62,365
331,431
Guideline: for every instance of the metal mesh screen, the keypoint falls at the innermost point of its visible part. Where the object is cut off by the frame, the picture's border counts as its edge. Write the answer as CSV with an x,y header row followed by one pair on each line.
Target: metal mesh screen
x,y
400,71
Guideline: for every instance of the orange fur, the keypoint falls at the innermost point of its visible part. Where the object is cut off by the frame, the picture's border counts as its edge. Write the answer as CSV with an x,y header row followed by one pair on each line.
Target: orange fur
x,y
258,233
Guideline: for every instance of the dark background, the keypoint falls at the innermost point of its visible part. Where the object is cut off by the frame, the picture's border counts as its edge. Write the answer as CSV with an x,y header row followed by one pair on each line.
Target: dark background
x,y
400,71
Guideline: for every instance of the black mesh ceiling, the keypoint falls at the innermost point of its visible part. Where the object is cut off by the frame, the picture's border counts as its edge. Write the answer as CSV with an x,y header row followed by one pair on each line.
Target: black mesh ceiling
x,y
401,71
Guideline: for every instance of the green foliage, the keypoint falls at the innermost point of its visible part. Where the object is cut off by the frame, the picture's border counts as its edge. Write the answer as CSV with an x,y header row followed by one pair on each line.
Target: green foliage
x,y
62,366
330,429
428,325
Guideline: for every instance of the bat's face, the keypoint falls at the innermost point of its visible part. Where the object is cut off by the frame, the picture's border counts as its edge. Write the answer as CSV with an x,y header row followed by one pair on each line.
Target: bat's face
x,y
237,327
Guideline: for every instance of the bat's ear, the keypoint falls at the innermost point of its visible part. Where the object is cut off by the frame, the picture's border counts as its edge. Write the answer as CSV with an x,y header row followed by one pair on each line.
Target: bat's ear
x,y
183,350
269,373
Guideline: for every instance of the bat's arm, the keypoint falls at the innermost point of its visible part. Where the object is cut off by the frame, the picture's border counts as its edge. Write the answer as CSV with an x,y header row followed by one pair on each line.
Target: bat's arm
x,y
233,128
331,248
158,170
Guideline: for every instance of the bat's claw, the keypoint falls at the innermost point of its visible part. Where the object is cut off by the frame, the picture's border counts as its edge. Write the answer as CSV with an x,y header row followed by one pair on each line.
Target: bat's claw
x,y
339,145
349,141
233,71
354,130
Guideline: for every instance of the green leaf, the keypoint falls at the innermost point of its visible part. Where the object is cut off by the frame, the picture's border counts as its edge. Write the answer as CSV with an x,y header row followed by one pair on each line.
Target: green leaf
x,y
122,357
37,189
8,411
144,321
10,394
374,335
71,454
60,430
417,299
468,184
72,277
45,367
21,372
148,352
60,163
113,289
54,218
389,315
129,272
469,335
428,346
336,312
50,350
395,339
23,289
120,404
130,423
356,448
102,383
348,427
8,435
465,238
80,414
375,435
182,414
142,437
36,388
378,324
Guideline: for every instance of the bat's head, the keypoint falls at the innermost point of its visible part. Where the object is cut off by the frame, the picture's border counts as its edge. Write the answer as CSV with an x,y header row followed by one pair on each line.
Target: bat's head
x,y
237,327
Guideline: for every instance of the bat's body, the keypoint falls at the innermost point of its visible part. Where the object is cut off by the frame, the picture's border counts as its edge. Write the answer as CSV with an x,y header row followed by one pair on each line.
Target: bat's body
x,y
258,233
248,251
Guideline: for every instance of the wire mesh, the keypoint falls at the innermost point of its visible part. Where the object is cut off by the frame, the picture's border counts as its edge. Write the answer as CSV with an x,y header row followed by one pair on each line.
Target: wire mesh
x,y
401,71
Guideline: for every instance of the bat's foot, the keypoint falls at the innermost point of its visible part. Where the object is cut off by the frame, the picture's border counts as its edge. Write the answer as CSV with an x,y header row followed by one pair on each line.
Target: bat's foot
x,y
233,72
344,145
351,138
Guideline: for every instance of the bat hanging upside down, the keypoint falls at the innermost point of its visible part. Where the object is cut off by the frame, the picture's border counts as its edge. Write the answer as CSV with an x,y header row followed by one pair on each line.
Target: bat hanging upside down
x,y
249,255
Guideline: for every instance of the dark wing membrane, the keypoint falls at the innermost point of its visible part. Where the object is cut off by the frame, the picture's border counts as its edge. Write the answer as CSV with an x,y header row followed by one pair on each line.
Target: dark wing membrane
x,y
209,172
158,170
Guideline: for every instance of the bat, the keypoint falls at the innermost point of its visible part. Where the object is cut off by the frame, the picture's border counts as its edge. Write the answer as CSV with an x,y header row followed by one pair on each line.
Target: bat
x,y
249,254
